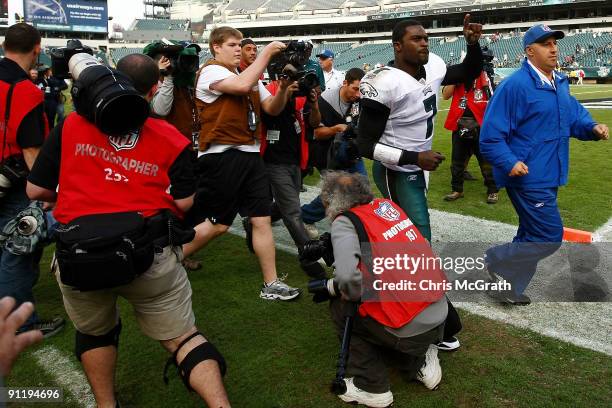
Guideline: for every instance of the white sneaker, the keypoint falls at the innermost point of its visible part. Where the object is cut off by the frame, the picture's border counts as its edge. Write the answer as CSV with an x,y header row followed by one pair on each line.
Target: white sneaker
x,y
278,290
311,229
431,372
369,399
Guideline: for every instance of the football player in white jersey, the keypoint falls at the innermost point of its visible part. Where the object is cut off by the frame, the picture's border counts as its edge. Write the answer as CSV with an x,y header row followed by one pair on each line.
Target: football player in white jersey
x,y
400,104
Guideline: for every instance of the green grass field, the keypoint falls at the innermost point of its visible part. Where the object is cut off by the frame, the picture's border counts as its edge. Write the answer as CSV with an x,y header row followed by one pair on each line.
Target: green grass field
x,y
282,355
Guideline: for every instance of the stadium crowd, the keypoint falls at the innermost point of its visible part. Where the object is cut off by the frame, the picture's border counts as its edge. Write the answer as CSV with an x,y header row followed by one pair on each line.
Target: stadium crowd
x,y
220,143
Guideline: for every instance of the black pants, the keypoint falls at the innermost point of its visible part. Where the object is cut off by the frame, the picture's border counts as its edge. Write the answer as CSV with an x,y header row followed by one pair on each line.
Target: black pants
x,y
463,149
373,349
51,112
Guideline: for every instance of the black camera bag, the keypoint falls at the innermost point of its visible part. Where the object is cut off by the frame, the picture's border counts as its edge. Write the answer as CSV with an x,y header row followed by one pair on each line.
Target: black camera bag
x,y
468,127
103,251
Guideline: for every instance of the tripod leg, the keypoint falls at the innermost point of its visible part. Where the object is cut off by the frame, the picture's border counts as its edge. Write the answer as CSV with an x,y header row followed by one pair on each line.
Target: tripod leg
x,y
338,386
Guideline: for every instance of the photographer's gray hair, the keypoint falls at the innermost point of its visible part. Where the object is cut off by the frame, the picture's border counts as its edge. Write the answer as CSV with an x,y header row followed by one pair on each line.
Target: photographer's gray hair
x,y
341,191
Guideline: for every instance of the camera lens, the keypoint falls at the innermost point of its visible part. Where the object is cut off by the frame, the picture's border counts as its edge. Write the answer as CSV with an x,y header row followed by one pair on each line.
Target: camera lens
x,y
27,225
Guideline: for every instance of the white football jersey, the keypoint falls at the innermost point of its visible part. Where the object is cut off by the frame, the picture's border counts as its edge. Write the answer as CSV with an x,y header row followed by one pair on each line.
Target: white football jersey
x,y
413,105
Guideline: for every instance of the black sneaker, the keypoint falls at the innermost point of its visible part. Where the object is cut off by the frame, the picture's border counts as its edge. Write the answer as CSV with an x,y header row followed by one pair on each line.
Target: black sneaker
x,y
248,229
47,327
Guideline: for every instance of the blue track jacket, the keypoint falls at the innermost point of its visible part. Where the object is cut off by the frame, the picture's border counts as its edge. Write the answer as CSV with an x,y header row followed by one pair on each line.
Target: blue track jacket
x,y
528,121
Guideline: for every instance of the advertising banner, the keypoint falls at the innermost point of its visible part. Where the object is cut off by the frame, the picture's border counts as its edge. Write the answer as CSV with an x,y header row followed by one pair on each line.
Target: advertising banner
x,y
68,15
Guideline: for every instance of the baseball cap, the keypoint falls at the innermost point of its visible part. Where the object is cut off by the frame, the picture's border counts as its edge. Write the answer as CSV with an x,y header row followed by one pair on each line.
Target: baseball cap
x,y
326,54
246,41
539,33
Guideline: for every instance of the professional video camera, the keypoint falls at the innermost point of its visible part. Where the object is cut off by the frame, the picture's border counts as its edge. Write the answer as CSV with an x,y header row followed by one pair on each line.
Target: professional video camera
x,y
291,63
102,95
487,65
184,57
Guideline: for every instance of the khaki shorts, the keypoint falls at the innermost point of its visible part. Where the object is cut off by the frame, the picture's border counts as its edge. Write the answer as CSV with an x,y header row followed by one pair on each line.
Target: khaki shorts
x,y
161,298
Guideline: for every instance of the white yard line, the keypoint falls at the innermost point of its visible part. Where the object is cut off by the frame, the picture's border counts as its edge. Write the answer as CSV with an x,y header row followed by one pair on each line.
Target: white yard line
x,y
68,375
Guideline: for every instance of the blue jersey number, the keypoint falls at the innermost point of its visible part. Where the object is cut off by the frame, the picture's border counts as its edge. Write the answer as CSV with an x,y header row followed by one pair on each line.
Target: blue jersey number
x,y
430,105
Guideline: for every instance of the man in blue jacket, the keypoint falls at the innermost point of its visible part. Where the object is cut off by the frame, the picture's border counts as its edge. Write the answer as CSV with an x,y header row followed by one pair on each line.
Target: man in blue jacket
x,y
525,136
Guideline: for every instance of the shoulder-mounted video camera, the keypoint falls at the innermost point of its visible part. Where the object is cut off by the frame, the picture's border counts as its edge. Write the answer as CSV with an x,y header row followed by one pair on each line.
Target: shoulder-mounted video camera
x,y
487,65
291,64
101,94
184,58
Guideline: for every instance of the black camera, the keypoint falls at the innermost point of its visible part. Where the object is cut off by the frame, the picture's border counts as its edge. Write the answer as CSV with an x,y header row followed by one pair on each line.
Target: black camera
x,y
316,249
104,96
13,172
291,63
184,59
487,65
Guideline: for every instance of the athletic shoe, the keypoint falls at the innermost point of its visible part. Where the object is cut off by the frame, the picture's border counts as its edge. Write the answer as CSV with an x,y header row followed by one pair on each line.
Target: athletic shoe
x,y
369,399
248,230
455,195
467,176
311,229
450,344
492,198
278,290
431,372
47,327
506,297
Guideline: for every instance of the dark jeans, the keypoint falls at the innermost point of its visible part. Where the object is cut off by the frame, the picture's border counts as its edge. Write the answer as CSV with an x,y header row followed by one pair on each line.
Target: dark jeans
x,y
285,180
373,349
18,273
463,149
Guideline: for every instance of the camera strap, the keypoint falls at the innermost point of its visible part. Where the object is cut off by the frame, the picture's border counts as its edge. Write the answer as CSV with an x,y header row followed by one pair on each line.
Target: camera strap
x,y
195,120
7,113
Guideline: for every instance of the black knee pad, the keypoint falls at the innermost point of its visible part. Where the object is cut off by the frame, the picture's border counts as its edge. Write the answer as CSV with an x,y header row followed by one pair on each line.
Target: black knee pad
x,y
85,342
202,352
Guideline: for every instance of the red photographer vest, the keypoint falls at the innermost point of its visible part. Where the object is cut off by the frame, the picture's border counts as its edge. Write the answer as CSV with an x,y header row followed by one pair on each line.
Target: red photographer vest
x,y
476,99
108,174
26,96
390,233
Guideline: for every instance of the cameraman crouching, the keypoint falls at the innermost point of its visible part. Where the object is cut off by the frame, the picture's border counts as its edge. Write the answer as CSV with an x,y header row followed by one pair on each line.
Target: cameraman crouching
x,y
397,332
120,201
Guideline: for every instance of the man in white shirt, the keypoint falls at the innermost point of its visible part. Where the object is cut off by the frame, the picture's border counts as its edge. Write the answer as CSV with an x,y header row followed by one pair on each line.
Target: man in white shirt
x,y
233,177
333,77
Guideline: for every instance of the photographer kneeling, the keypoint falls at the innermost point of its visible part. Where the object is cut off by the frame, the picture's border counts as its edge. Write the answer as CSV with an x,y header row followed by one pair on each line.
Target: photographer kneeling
x,y
126,180
397,331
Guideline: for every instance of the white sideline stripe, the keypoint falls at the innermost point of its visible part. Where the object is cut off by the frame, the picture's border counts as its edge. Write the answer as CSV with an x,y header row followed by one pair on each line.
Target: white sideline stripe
x,y
69,377
604,233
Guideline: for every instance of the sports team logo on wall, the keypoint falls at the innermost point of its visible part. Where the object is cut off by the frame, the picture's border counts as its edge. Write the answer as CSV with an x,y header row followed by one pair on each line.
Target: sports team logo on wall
x,y
386,211
124,142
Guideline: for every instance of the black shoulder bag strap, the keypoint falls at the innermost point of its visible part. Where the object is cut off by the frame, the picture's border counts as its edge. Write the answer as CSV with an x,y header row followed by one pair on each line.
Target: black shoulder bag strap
x,y
364,241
